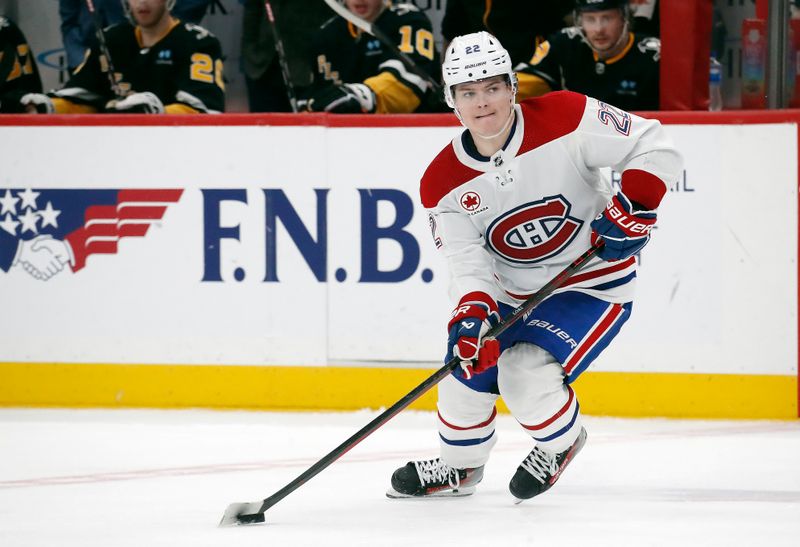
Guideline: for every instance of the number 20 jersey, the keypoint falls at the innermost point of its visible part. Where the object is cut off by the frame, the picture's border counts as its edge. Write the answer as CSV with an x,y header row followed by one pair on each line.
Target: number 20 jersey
x,y
510,223
184,67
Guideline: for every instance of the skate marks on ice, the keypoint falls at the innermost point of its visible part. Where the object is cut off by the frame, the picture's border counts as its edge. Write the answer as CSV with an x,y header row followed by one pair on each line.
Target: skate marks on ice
x,y
614,433
133,478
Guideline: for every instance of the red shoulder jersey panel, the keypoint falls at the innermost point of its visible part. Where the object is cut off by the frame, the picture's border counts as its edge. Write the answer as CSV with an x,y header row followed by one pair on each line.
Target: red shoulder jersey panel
x,y
549,117
444,174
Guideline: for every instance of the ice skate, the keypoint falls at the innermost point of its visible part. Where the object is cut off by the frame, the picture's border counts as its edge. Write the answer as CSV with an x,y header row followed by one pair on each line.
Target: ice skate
x,y
433,478
541,469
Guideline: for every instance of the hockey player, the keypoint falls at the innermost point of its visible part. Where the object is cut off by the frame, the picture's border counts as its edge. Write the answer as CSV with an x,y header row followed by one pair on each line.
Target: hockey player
x,y
512,201
355,73
599,57
18,72
161,64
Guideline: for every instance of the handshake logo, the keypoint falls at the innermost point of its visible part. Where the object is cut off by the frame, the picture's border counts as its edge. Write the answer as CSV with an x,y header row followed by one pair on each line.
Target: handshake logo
x,y
44,231
43,257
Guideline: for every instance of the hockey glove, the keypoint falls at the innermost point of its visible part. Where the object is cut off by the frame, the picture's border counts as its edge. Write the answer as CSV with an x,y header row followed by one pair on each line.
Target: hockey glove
x,y
344,99
623,227
138,103
474,315
37,103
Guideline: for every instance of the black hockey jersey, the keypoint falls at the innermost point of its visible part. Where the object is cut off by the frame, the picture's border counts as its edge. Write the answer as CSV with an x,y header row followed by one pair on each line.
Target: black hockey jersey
x,y
18,72
628,80
184,69
344,54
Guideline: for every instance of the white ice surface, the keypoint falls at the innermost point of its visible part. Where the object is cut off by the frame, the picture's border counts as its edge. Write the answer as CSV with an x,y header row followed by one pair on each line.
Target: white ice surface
x,y
164,478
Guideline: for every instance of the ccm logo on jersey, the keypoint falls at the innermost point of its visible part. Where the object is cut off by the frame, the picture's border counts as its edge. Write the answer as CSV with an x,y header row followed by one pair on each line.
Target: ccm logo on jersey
x,y
630,226
535,231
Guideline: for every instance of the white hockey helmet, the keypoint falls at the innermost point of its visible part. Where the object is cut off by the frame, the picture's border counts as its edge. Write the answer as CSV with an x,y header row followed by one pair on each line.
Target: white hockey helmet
x,y
474,57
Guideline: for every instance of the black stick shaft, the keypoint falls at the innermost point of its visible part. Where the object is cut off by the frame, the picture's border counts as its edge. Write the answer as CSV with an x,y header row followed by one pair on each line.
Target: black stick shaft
x,y
287,79
101,40
426,385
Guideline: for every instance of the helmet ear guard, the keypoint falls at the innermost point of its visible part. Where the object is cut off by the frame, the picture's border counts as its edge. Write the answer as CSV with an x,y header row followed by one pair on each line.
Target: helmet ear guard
x,y
474,57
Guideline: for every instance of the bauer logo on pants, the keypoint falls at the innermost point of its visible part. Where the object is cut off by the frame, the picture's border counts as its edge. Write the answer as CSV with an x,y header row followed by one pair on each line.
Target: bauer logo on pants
x,y
535,231
43,231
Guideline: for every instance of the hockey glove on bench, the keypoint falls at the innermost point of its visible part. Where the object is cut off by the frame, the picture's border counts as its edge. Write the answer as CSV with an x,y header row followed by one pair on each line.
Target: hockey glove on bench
x,y
474,315
137,103
623,227
38,103
344,99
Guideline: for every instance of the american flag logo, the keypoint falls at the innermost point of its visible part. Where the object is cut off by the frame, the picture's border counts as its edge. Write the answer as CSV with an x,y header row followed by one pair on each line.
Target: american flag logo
x,y
43,230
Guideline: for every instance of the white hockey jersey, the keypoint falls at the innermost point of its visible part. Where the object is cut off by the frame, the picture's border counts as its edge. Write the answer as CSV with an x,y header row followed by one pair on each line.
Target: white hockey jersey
x,y
508,224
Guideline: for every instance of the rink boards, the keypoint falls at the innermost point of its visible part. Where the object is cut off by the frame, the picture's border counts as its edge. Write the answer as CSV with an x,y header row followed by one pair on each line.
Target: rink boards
x,y
253,262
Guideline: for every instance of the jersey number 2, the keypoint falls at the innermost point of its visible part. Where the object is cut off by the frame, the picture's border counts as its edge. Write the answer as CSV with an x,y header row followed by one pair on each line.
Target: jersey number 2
x,y
22,63
619,119
206,70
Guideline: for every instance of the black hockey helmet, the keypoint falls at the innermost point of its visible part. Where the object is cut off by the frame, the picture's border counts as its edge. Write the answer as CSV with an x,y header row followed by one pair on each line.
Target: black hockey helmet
x,y
599,5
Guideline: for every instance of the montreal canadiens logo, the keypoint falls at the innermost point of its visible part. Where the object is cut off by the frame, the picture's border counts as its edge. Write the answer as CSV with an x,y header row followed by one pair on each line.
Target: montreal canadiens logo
x,y
535,231
470,201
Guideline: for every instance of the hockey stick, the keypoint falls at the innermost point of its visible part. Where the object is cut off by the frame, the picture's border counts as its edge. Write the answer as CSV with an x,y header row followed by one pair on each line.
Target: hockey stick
x,y
253,513
369,28
287,81
101,40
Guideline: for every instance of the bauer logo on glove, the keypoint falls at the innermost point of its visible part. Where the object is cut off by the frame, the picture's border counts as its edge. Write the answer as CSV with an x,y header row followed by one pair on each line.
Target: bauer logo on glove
x,y
629,223
623,228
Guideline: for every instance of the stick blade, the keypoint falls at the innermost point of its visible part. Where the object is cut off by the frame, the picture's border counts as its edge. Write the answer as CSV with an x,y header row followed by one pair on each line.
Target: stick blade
x,y
242,513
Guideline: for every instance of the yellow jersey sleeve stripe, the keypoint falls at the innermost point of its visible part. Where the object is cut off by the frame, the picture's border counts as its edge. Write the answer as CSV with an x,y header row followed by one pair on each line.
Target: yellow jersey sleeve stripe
x,y
529,85
180,108
392,95
63,106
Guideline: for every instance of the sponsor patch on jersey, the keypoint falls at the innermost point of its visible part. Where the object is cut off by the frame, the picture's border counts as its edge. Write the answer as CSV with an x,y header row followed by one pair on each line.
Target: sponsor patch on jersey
x,y
534,231
164,57
627,87
470,201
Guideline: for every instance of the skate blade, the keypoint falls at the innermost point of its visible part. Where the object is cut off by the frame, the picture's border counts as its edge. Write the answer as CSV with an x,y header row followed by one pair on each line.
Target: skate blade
x,y
517,500
461,492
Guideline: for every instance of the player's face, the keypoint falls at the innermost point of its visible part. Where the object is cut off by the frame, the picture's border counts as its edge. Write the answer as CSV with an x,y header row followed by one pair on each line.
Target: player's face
x,y
604,28
148,13
366,9
485,105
